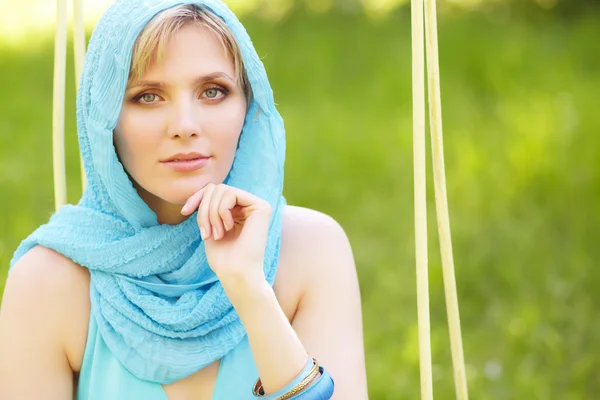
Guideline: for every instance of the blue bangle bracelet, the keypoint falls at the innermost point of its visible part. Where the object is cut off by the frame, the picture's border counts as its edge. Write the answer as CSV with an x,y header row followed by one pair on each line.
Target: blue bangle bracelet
x,y
258,387
321,389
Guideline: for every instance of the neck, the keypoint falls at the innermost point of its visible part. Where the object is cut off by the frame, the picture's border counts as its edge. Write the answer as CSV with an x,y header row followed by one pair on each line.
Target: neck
x,y
166,213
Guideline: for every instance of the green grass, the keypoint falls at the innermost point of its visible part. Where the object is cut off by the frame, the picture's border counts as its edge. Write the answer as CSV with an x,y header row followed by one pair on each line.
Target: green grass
x,y
522,145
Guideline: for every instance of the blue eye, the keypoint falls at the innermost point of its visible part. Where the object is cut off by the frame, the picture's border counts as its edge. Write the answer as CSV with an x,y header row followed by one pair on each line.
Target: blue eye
x,y
147,97
212,93
215,93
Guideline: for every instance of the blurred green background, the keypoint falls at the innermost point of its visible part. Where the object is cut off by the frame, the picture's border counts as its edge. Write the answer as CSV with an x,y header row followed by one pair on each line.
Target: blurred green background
x,y
520,83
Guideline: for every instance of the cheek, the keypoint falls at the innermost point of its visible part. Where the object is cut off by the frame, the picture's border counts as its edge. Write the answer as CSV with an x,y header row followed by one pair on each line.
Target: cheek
x,y
121,145
228,127
132,137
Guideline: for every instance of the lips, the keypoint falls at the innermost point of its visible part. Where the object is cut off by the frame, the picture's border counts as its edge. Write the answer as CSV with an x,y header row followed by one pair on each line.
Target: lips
x,y
188,162
182,159
179,157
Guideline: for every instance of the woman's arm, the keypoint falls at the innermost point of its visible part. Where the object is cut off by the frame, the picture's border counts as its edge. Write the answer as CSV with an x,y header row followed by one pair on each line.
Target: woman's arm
x,y
328,322
33,361
234,225
329,317
278,353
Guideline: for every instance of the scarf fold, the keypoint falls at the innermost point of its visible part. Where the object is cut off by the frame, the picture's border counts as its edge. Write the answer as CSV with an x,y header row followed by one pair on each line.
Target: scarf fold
x,y
158,305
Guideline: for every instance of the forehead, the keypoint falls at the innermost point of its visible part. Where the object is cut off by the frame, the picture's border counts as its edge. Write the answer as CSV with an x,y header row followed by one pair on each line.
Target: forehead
x,y
191,49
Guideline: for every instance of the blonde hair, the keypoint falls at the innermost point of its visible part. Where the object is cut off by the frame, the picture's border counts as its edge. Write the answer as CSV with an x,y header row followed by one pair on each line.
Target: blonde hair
x,y
151,43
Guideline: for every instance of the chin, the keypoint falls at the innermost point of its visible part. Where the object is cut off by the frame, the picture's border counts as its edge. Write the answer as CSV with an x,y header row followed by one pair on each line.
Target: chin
x,y
173,191
177,200
177,196
178,192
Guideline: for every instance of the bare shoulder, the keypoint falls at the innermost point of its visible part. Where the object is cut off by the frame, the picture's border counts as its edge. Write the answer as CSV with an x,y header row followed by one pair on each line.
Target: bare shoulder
x,y
315,251
313,238
47,290
47,271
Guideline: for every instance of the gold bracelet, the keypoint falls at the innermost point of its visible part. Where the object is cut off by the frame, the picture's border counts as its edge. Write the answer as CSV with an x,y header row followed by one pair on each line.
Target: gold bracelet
x,y
314,371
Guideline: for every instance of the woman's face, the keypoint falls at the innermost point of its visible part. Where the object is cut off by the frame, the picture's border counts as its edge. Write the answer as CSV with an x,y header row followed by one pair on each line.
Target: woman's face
x,y
180,123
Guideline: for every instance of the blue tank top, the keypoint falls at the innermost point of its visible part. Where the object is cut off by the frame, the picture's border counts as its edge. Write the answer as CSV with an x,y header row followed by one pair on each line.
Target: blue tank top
x,y
103,377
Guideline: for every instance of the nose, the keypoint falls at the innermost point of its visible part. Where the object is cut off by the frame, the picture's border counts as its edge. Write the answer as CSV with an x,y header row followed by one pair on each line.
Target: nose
x,y
184,121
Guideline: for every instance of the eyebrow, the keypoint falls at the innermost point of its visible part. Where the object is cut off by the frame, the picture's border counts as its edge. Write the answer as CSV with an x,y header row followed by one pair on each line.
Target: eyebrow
x,y
199,80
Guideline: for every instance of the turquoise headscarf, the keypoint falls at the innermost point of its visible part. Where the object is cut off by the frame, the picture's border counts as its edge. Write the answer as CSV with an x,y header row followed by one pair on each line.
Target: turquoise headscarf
x,y
159,307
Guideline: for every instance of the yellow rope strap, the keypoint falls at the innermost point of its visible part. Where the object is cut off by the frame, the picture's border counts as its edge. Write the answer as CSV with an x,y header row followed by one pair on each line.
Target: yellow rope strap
x,y
424,19
58,101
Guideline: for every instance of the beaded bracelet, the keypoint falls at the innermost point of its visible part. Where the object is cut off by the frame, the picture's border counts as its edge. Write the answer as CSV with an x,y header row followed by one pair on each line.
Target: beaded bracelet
x,y
301,382
321,389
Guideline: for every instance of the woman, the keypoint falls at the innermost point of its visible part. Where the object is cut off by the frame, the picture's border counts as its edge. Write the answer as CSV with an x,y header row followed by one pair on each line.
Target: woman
x,y
182,273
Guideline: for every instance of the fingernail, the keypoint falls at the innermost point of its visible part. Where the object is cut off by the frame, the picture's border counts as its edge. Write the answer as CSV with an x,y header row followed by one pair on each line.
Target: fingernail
x,y
215,234
202,233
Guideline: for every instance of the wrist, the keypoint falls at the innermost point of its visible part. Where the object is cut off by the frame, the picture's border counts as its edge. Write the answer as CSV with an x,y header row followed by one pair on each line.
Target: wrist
x,y
245,288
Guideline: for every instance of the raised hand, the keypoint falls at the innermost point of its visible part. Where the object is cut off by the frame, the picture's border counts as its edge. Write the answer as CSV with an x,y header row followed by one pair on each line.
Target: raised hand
x,y
234,225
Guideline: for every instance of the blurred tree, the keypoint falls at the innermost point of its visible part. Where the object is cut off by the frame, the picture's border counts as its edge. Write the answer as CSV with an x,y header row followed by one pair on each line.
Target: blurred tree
x,y
558,7
563,8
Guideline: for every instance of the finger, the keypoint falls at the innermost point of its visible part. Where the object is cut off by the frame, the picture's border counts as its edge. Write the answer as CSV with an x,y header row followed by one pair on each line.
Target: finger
x,y
246,199
193,202
215,218
249,204
228,202
204,212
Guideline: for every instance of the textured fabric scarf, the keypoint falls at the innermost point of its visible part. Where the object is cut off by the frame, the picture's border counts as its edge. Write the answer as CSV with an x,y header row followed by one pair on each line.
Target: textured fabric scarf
x,y
158,305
